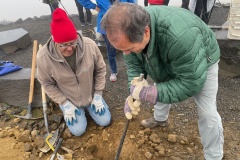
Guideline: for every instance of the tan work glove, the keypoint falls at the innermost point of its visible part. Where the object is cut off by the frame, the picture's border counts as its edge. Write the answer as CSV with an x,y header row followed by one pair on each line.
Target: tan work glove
x,y
131,108
136,87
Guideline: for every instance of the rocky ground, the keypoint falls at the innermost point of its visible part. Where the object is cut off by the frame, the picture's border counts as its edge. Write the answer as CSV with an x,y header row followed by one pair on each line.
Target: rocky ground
x,y
20,139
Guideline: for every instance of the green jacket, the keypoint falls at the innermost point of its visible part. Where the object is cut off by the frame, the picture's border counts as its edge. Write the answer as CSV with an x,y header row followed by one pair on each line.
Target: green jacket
x,y
180,51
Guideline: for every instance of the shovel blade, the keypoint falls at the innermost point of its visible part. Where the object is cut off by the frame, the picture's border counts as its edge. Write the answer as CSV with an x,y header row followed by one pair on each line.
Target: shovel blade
x,y
52,141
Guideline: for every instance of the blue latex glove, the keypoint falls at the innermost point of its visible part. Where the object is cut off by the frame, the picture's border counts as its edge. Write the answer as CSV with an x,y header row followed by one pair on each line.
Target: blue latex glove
x,y
70,112
97,104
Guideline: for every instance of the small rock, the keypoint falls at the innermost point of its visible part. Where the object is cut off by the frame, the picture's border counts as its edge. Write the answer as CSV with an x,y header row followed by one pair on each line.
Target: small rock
x,y
172,138
148,155
161,150
17,133
7,128
68,156
141,132
26,132
141,142
16,120
190,151
24,138
39,141
34,134
33,157
28,147
40,154
3,133
132,136
105,135
154,138
147,131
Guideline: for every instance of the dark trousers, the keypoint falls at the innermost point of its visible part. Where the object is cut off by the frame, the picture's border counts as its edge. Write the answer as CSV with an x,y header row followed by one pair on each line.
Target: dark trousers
x,y
53,6
201,10
81,14
166,2
145,3
185,4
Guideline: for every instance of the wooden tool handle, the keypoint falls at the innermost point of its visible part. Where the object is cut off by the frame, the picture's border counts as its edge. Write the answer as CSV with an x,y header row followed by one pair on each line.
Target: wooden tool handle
x,y
34,56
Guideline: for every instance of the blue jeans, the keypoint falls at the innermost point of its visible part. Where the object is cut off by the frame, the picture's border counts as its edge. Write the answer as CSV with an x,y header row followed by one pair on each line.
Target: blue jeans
x,y
111,51
77,129
209,120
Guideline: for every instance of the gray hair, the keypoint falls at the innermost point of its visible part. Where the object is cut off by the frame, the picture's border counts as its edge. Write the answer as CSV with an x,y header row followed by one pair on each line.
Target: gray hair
x,y
127,18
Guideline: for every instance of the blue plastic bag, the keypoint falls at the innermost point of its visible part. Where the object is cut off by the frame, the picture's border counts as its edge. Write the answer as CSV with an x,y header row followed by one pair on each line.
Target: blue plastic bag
x,y
8,67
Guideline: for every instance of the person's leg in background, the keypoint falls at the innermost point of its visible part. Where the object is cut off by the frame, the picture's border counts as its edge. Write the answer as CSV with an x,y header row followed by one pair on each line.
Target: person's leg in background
x,y
51,8
205,14
111,51
80,13
145,3
198,8
89,16
166,2
185,4
209,120
55,6
201,10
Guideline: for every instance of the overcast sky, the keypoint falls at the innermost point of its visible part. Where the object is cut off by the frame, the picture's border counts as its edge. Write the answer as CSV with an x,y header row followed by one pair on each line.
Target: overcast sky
x,y
12,10
15,9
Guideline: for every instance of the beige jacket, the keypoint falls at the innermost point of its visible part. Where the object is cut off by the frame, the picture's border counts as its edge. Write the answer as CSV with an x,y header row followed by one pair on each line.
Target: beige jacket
x,y
61,83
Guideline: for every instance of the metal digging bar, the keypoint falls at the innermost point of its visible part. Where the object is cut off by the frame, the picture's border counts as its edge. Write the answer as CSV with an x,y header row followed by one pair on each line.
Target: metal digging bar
x,y
29,107
50,4
66,11
125,129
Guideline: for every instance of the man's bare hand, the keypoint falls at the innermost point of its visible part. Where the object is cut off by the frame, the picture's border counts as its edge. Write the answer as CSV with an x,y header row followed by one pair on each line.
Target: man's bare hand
x,y
97,9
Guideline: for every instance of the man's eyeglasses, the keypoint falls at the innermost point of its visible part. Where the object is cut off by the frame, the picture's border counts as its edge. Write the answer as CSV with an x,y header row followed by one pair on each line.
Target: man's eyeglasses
x,y
64,46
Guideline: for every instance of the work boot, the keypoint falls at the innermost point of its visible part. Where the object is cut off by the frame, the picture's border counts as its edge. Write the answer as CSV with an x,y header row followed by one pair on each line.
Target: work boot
x,y
151,123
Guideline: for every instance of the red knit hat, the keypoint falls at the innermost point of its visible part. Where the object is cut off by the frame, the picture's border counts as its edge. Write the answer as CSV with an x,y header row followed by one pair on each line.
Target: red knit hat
x,y
62,28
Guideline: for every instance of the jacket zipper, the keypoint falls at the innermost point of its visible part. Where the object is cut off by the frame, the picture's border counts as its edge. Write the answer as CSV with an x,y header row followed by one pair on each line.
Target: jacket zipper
x,y
150,66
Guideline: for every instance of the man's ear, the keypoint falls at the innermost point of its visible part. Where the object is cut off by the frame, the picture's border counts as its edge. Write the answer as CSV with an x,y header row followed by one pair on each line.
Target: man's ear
x,y
147,31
